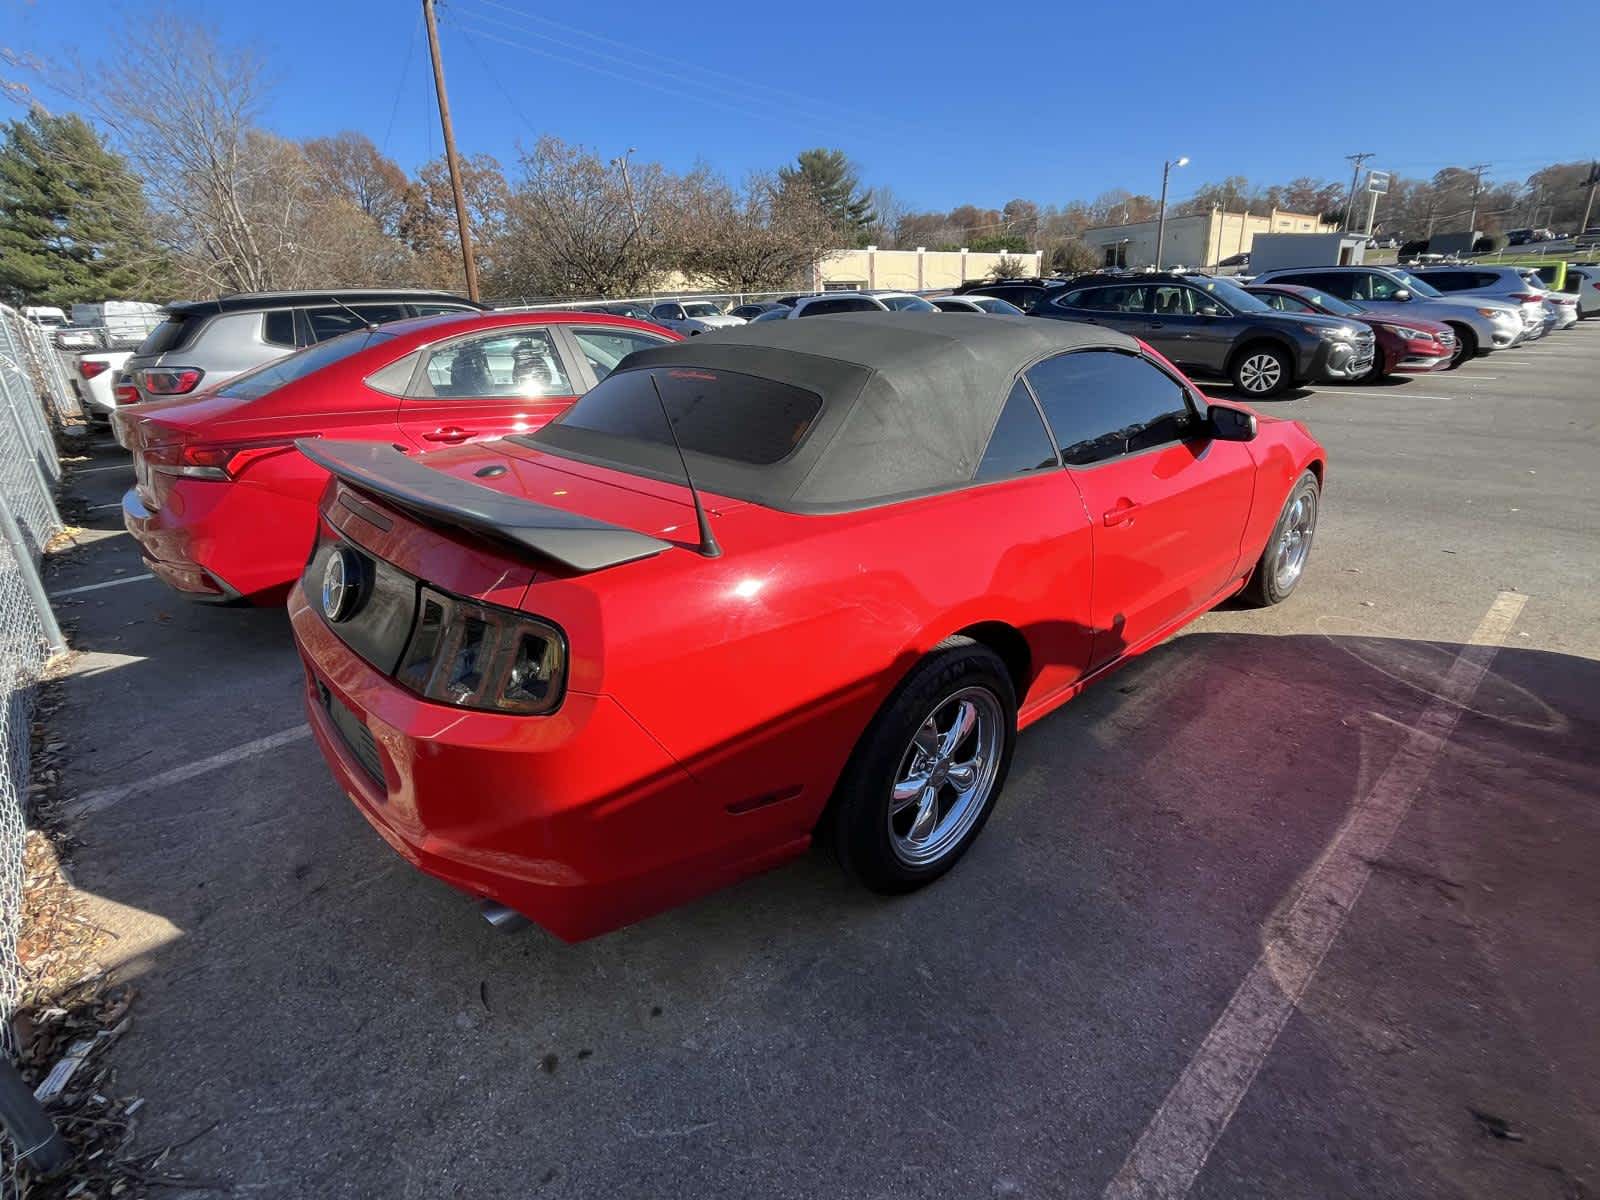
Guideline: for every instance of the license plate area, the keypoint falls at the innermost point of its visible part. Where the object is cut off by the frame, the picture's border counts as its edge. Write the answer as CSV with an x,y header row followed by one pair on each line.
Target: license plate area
x,y
354,733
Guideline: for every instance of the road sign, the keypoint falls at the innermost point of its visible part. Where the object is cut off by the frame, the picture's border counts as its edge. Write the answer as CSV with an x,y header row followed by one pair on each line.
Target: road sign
x,y
1377,181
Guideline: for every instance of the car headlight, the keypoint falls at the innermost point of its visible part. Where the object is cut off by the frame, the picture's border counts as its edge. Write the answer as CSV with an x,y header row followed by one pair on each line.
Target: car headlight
x,y
1497,314
1333,333
1412,335
476,656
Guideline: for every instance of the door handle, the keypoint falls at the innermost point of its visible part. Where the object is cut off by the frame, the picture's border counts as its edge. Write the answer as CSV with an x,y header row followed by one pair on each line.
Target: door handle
x,y
450,433
1121,513
1155,324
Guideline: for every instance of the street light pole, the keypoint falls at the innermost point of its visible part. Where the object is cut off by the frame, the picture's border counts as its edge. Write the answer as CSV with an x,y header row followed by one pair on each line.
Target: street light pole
x,y
1161,219
1350,200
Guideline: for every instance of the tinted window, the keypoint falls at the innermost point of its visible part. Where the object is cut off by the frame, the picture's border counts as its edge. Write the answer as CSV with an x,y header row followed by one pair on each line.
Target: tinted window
x,y
993,304
1101,403
1109,299
433,310
1019,442
1450,281
331,322
1335,283
702,309
954,304
721,413
821,308
1183,302
666,312
1022,296
603,349
175,331
505,363
278,327
298,365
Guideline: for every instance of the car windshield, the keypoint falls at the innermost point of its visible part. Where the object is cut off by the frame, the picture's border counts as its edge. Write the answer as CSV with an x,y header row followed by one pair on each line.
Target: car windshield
x,y
1231,294
298,365
908,304
703,309
1416,285
1334,305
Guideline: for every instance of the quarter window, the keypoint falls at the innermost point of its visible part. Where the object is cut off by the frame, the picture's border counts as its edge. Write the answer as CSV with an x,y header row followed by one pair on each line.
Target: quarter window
x,y
277,327
1019,443
519,363
603,349
1104,403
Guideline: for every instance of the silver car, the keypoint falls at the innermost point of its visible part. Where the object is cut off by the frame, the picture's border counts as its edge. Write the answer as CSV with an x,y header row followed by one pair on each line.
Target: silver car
x,y
1503,283
690,317
1480,323
214,340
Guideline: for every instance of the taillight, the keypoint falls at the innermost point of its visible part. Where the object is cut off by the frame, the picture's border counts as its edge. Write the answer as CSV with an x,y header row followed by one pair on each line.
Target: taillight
x,y
126,393
475,656
171,381
194,460
89,369
1525,297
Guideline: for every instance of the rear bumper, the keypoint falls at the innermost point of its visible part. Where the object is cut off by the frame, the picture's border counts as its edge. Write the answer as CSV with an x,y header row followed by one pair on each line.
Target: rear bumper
x,y
221,542
579,820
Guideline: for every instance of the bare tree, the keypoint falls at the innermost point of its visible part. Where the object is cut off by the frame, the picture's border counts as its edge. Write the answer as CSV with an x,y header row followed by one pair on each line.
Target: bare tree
x,y
764,237
349,165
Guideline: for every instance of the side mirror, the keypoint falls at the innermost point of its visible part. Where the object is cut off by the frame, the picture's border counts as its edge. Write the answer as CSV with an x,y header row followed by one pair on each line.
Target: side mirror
x,y
1231,424
1402,295
1210,310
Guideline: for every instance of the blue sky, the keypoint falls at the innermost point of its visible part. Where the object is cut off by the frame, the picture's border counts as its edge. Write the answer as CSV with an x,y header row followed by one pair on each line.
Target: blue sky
x,y
944,103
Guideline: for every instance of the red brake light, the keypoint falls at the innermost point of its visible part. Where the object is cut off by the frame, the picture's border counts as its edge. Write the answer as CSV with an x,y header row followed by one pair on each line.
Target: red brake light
x,y
1525,297
172,381
126,393
200,461
89,369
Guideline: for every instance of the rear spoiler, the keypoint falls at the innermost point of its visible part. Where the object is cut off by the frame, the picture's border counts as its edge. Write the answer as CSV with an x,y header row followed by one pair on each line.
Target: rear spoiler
x,y
571,539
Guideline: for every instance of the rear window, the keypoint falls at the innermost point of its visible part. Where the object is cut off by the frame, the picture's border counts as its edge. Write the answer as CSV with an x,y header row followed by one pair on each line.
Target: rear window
x,y
822,308
291,367
170,334
724,414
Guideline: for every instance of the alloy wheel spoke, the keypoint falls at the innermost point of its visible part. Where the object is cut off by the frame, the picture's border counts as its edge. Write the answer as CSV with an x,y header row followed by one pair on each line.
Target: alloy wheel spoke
x,y
908,791
927,739
964,775
966,718
927,816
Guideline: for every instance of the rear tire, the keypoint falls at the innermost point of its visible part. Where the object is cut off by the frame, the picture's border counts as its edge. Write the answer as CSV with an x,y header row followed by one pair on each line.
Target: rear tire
x,y
1261,370
1466,345
1282,563
918,790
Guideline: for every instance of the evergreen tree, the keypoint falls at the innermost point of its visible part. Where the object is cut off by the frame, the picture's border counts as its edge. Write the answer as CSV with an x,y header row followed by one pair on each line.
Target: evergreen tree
x,y
831,179
74,224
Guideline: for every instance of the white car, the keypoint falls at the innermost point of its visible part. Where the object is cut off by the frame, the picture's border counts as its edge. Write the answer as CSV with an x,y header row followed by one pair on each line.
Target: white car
x,y
97,372
992,305
690,317
826,304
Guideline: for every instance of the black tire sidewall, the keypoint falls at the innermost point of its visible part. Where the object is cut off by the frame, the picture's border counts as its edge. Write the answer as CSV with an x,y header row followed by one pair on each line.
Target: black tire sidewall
x,y
1466,346
860,828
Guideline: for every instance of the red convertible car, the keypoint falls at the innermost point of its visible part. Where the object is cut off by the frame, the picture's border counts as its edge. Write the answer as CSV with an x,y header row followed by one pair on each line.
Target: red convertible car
x,y
224,509
553,675
1404,345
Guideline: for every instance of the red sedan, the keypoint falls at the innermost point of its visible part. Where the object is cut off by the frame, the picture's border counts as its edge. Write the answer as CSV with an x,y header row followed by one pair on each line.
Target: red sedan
x,y
1405,345
554,676
224,509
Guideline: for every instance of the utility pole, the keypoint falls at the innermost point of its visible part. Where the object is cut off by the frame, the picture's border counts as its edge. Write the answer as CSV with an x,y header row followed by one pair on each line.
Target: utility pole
x,y
1355,174
1161,219
462,226
621,163
1477,170
1592,182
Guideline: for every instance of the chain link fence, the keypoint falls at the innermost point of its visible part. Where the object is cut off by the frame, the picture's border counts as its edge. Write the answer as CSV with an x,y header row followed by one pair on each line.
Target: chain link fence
x,y
34,392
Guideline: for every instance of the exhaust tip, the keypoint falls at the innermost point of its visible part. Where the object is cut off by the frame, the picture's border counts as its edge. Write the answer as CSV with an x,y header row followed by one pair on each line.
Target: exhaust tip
x,y
506,920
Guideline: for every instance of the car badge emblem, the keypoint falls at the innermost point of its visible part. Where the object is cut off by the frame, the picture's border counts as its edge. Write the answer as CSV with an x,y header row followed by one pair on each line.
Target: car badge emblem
x,y
341,585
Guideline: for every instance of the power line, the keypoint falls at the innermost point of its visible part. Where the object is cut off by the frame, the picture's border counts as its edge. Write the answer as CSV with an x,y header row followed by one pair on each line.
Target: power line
x,y
400,90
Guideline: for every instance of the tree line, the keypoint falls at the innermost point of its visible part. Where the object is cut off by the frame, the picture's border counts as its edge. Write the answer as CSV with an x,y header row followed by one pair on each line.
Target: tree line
x,y
173,187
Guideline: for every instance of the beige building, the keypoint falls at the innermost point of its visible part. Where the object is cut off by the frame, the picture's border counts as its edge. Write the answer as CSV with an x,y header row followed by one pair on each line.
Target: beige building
x,y
916,270
1202,240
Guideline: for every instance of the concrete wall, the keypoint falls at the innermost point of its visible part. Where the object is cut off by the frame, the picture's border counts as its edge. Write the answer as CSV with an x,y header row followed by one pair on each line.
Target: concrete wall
x,y
912,270
1280,251
1202,240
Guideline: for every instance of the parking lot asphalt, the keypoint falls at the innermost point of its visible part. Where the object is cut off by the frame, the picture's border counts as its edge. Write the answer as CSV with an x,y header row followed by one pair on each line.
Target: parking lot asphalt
x,y
1301,903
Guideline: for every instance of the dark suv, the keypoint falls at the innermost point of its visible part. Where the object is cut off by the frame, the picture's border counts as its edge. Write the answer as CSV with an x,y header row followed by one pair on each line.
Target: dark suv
x,y
1210,326
214,340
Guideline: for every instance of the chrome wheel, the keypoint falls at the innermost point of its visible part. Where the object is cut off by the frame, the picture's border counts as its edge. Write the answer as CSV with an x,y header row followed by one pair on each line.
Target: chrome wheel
x,y
1294,540
946,776
1260,373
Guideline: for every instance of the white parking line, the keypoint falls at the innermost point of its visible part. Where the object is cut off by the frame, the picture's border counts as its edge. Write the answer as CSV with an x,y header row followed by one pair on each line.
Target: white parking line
x,y
103,798
113,504
95,587
1403,393
1174,1146
127,466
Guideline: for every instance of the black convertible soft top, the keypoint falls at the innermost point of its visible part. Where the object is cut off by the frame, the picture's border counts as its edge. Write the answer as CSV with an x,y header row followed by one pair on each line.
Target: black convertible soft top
x,y
908,401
